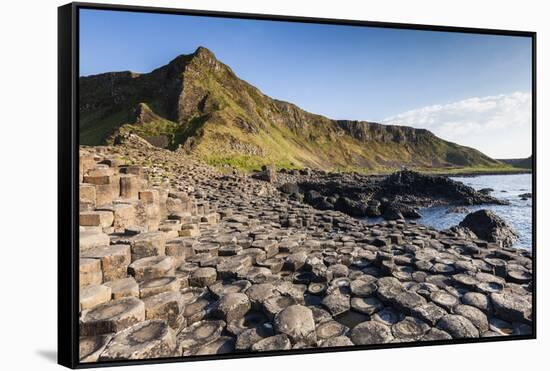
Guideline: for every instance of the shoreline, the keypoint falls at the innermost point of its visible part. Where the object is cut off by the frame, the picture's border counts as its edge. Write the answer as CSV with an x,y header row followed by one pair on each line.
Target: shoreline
x,y
474,174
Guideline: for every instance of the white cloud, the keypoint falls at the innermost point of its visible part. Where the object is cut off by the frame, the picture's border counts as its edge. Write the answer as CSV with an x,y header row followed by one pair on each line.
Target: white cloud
x,y
498,125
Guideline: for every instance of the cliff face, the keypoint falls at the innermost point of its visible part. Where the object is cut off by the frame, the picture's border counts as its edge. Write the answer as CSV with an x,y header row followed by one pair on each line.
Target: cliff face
x,y
197,103
522,163
371,131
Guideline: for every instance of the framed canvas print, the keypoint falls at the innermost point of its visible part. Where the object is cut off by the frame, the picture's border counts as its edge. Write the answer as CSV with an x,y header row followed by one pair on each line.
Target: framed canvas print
x,y
236,185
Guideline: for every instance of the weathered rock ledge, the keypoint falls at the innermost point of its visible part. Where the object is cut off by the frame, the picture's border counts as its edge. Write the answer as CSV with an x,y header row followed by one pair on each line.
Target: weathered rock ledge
x,y
393,197
178,259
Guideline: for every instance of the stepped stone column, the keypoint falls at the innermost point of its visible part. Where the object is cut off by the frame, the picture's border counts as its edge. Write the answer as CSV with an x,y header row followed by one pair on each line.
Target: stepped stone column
x,y
113,316
99,218
129,186
90,272
152,267
148,244
106,183
87,197
86,163
124,215
146,340
114,260
93,295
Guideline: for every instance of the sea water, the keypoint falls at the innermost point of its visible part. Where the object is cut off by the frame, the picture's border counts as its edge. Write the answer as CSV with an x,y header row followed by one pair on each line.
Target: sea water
x,y
518,214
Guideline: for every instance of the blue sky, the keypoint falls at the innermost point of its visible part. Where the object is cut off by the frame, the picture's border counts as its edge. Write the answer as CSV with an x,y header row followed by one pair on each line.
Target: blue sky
x,y
343,72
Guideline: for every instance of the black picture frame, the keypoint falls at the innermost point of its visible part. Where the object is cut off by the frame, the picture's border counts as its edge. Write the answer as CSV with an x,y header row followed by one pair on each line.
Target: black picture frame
x,y
68,134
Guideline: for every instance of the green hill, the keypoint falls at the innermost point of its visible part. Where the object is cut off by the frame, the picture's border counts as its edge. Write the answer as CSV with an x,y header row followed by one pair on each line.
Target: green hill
x,y
520,163
198,104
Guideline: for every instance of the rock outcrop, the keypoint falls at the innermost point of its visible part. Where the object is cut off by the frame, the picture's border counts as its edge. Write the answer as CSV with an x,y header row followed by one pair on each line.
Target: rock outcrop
x,y
393,197
488,226
180,260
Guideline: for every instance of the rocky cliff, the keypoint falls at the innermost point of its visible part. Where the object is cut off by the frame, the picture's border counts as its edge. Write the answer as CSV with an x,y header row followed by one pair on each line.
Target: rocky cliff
x,y
197,103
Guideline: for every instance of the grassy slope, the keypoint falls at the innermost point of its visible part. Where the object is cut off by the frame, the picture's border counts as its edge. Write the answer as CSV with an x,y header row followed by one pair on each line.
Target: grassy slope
x,y
229,122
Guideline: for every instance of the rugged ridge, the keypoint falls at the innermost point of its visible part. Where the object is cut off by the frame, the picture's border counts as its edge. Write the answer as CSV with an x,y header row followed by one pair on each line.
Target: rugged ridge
x,y
197,103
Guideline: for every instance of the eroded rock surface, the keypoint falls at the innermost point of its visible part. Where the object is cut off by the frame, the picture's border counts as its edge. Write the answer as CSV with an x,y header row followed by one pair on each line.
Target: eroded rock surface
x,y
180,259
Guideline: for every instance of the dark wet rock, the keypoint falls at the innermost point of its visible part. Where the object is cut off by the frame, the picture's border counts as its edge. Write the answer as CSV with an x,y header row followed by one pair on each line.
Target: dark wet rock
x,y
525,195
391,212
396,211
351,207
458,326
290,188
457,210
317,288
433,187
489,227
371,332
522,329
486,191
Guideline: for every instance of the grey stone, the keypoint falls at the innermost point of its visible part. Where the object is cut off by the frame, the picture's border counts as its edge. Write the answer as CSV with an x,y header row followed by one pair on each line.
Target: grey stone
x,y
371,332
458,326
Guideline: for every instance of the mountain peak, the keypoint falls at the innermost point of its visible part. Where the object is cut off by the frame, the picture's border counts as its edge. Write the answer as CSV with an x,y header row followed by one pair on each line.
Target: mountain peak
x,y
200,54
198,102
204,52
